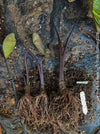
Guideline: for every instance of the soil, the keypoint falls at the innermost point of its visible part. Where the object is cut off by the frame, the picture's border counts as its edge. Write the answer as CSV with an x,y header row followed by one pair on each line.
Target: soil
x,y
52,89
57,101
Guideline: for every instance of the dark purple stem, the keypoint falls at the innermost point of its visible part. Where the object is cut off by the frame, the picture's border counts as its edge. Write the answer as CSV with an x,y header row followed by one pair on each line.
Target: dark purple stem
x,y
61,53
61,74
26,67
41,77
33,58
25,81
68,41
61,69
39,67
59,41
62,57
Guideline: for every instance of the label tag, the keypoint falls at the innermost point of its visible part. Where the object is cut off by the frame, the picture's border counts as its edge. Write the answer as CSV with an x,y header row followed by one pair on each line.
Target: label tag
x,y
82,82
83,102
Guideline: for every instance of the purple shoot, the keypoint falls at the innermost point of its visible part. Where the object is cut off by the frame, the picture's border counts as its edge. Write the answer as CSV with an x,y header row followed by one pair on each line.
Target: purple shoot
x,y
39,65
62,54
41,76
62,60
26,68
27,86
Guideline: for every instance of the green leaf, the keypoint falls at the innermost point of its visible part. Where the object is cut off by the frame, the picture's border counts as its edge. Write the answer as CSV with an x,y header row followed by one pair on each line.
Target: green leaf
x,y
39,44
95,10
96,13
45,53
8,44
29,83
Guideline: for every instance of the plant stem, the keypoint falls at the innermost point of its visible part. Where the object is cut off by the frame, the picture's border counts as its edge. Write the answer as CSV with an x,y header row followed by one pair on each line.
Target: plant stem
x,y
40,69
11,80
27,86
59,41
68,41
61,73
61,63
62,60
62,53
33,57
9,72
41,77
26,68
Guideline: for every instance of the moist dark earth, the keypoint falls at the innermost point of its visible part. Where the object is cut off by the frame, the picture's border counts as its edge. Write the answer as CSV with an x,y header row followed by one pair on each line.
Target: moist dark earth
x,y
80,65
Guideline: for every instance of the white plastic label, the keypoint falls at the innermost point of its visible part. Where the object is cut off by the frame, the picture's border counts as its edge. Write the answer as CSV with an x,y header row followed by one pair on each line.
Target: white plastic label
x,y
83,102
82,82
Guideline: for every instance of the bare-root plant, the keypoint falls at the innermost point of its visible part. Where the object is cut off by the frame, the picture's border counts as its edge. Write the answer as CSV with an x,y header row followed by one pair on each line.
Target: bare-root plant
x,y
65,107
37,106
63,111
26,101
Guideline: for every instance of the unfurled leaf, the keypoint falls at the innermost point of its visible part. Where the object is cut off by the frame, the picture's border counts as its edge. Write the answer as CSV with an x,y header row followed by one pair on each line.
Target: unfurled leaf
x,y
39,44
8,44
96,12
95,9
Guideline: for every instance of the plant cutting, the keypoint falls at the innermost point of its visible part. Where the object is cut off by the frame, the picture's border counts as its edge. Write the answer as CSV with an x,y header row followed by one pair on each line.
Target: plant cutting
x,y
42,98
8,45
62,53
60,107
38,110
26,108
65,106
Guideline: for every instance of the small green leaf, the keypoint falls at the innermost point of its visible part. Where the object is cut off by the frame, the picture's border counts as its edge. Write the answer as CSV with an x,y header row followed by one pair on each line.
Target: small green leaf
x,y
39,44
54,103
45,53
8,44
29,83
63,88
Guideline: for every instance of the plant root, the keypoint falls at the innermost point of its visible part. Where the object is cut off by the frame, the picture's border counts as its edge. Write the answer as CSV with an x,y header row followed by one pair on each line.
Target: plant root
x,y
65,112
41,108
61,113
41,104
25,101
34,111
